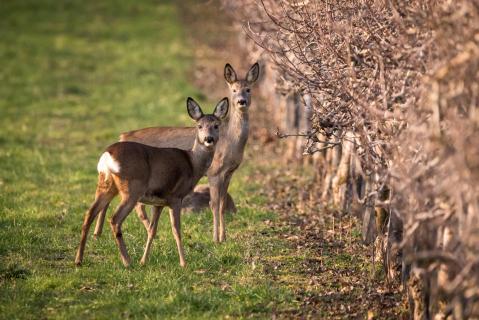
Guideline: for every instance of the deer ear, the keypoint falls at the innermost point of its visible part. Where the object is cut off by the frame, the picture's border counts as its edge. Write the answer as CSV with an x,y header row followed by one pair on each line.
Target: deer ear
x,y
194,109
253,73
230,74
221,109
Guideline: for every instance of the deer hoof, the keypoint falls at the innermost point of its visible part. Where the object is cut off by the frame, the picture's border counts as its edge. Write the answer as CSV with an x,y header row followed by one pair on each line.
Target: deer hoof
x,y
126,263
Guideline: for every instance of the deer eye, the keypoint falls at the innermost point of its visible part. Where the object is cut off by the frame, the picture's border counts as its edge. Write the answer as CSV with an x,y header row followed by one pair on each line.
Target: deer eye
x,y
234,90
216,126
248,90
200,126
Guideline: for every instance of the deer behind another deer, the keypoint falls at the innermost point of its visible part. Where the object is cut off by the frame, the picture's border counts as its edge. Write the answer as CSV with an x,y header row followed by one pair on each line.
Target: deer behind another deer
x,y
228,156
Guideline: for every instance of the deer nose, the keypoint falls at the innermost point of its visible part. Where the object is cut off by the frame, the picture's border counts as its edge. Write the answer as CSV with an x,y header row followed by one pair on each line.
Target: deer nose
x,y
242,102
209,139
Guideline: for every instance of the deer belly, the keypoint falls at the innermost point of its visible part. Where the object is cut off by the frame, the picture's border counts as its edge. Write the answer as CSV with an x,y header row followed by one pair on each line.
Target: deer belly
x,y
152,200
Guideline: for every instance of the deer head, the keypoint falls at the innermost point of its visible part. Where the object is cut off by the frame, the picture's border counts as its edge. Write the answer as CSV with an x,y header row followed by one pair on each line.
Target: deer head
x,y
241,89
207,126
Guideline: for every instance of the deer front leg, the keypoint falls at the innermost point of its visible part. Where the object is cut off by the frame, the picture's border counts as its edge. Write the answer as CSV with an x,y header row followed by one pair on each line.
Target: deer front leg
x,y
127,204
151,232
141,212
223,192
175,216
215,206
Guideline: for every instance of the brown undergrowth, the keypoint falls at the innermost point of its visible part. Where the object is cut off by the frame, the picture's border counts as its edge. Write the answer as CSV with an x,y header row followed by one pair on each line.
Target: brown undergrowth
x,y
330,271
322,261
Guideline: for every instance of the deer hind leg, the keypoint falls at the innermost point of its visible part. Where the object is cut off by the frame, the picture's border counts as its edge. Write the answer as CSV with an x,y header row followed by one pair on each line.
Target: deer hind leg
x,y
141,212
151,232
102,200
175,216
100,222
127,204
107,185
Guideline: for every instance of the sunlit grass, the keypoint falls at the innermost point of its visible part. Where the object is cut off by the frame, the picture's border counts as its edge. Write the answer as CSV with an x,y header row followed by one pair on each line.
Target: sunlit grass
x,y
74,75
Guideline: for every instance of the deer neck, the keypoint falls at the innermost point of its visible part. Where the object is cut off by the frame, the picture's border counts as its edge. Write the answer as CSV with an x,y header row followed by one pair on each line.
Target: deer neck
x,y
237,127
200,157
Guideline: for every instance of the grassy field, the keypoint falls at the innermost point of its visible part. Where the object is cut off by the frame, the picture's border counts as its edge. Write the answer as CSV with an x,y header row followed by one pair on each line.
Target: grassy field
x,y
74,75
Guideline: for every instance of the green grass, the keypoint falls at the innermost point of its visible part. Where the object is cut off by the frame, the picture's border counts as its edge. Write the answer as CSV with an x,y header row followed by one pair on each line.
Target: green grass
x,y
73,76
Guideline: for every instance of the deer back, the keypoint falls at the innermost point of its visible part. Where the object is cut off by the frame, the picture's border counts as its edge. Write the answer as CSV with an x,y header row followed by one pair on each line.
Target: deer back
x,y
164,172
163,137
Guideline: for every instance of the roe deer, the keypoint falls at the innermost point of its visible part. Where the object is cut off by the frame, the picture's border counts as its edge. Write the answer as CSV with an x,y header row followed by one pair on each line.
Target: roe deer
x,y
229,151
156,176
199,199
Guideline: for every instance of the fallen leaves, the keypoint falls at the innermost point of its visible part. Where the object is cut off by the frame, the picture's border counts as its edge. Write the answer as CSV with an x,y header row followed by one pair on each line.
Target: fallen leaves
x,y
327,266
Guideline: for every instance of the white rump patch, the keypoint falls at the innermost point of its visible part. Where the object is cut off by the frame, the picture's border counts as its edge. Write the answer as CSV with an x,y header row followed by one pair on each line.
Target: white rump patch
x,y
107,165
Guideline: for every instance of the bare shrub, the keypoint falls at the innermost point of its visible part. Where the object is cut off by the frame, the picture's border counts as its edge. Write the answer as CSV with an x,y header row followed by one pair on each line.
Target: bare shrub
x,y
390,92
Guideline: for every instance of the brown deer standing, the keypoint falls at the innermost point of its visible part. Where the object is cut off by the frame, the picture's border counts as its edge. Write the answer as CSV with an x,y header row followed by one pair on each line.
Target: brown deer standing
x,y
229,151
156,176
